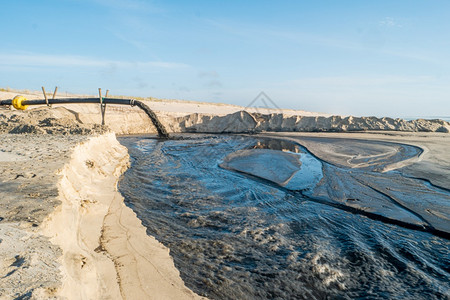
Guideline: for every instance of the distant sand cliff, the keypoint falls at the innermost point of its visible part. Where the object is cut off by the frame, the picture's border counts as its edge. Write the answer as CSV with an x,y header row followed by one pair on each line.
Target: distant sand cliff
x,y
85,119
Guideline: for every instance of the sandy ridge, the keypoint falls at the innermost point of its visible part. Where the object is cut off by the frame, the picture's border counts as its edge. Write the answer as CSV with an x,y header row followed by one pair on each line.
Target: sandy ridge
x,y
189,116
106,251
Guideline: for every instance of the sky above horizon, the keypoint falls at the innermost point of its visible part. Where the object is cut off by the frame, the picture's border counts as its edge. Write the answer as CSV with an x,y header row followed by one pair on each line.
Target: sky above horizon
x,y
382,58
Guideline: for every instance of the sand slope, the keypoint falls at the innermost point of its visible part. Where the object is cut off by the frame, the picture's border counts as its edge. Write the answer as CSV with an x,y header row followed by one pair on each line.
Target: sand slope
x,y
65,230
106,251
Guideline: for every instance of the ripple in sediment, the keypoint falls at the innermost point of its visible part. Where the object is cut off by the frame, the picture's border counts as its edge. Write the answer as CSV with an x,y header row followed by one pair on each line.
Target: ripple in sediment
x,y
387,196
233,237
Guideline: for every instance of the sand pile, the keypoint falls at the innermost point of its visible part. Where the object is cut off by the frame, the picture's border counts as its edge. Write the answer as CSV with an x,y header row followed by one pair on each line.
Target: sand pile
x,y
254,122
58,120
189,116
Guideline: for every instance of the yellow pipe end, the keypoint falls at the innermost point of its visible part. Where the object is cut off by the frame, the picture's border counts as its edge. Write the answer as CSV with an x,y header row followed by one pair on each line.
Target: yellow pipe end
x,y
17,102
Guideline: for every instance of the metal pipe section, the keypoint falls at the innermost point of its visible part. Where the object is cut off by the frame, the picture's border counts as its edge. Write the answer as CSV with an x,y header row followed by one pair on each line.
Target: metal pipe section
x,y
162,132
73,100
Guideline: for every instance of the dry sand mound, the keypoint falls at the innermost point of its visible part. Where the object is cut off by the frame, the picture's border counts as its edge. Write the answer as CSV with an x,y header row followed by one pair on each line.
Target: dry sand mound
x,y
253,122
57,120
85,119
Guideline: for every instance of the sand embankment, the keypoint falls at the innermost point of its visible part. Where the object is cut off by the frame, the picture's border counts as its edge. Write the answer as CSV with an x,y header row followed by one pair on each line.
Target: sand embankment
x,y
106,251
65,230
132,120
185,116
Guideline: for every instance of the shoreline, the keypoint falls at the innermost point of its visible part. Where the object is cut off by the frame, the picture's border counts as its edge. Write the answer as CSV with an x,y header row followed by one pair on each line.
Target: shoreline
x,y
72,236
110,254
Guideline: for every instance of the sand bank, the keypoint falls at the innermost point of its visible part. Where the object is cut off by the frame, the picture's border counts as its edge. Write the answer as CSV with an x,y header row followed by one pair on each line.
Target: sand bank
x,y
189,116
71,235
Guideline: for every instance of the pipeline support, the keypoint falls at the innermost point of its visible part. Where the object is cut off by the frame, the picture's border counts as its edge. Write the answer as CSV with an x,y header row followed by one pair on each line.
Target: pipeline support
x,y
20,102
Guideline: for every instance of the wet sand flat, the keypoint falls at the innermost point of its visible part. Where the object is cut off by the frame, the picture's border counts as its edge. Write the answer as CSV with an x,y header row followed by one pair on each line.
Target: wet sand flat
x,y
403,177
432,163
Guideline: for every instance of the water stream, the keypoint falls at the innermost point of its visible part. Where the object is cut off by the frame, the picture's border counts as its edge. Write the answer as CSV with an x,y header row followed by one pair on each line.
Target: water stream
x,y
236,236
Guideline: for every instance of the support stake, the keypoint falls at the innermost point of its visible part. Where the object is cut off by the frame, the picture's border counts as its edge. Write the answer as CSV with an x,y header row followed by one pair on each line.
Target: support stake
x,y
54,93
102,105
46,99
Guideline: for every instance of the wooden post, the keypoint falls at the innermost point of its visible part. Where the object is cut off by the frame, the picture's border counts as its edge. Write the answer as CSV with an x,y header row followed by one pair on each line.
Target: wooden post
x,y
54,93
45,96
102,105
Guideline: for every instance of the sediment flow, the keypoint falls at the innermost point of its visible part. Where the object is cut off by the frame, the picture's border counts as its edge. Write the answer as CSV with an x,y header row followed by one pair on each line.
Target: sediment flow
x,y
245,234
354,175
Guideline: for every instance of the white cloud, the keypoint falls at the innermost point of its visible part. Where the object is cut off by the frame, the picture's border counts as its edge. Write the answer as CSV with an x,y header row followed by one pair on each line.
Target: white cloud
x,y
45,60
135,43
208,74
389,22
137,5
346,81
252,33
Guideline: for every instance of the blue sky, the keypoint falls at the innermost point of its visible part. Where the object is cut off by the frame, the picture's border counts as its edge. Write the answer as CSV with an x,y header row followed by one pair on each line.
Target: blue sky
x,y
383,58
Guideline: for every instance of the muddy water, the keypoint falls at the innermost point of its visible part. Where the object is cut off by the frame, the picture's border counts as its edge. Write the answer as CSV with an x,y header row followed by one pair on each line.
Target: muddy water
x,y
234,236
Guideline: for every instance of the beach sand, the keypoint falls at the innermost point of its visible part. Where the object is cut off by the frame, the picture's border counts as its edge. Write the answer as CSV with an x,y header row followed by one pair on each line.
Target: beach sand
x,y
64,229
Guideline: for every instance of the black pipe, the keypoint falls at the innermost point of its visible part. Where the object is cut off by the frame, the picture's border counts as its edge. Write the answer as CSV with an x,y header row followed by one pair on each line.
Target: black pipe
x,y
162,132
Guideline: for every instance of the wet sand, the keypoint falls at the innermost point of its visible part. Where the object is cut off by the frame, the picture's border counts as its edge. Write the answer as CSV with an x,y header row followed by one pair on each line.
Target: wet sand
x,y
238,233
401,177
432,163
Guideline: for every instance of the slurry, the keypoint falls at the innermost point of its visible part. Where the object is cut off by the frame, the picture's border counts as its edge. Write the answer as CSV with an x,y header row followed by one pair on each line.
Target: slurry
x,y
235,236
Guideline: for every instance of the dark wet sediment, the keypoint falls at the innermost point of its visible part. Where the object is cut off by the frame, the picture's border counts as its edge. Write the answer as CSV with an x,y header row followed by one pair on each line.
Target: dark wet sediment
x,y
234,236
